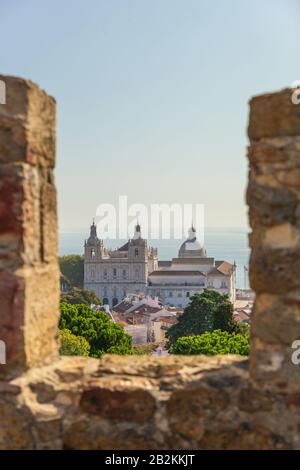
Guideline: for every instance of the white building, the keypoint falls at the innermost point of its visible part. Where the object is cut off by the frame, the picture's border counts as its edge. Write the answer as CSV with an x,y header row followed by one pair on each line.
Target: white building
x,y
112,275
134,268
175,281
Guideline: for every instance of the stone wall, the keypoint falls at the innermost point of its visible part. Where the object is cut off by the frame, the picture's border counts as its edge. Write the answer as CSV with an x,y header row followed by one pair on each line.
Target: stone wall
x,y
29,288
274,210
51,402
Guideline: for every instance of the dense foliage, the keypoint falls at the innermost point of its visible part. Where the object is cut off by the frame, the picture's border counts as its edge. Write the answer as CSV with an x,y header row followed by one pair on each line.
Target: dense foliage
x,y
71,266
217,342
206,312
103,335
144,349
80,296
72,345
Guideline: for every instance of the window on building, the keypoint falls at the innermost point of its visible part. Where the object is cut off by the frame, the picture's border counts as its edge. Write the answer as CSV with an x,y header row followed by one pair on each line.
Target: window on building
x,y
223,284
115,301
170,294
124,273
136,252
187,294
105,301
93,275
105,273
114,272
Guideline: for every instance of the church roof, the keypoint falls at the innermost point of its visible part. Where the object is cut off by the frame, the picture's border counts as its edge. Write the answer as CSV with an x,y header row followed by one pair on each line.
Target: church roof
x,y
222,268
134,242
196,260
122,306
191,247
124,247
176,273
164,263
93,240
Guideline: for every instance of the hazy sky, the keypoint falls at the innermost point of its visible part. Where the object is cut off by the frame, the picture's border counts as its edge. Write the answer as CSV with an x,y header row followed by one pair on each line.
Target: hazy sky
x,y
152,95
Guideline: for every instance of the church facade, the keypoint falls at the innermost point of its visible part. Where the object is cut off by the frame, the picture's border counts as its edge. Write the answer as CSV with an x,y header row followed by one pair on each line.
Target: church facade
x,y
134,269
114,274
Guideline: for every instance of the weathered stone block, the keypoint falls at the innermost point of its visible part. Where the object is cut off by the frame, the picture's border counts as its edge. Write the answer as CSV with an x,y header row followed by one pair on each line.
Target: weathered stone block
x,y
270,206
274,150
28,221
15,428
187,407
283,236
274,115
27,124
276,318
29,316
271,367
274,271
123,403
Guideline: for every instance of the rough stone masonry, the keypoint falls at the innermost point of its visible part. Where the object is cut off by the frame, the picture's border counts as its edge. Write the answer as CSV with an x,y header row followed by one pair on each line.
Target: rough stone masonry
x,y
29,284
195,402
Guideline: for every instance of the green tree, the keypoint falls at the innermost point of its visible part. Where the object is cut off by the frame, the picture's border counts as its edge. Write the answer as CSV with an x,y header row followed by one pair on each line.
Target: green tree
x,y
72,345
238,328
216,342
80,296
206,312
71,266
102,334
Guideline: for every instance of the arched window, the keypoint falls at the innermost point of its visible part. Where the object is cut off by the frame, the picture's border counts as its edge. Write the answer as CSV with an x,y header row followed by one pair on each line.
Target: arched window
x,y
105,301
115,301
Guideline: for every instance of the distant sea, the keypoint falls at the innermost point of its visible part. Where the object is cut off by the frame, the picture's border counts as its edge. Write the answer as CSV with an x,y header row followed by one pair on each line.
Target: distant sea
x,y
229,244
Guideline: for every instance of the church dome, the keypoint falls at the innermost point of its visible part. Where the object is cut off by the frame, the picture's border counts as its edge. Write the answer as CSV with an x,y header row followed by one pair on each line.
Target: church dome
x,y
191,248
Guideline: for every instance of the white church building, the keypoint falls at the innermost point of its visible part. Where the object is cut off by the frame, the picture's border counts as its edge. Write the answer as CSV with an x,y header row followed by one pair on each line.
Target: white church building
x,y
134,269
